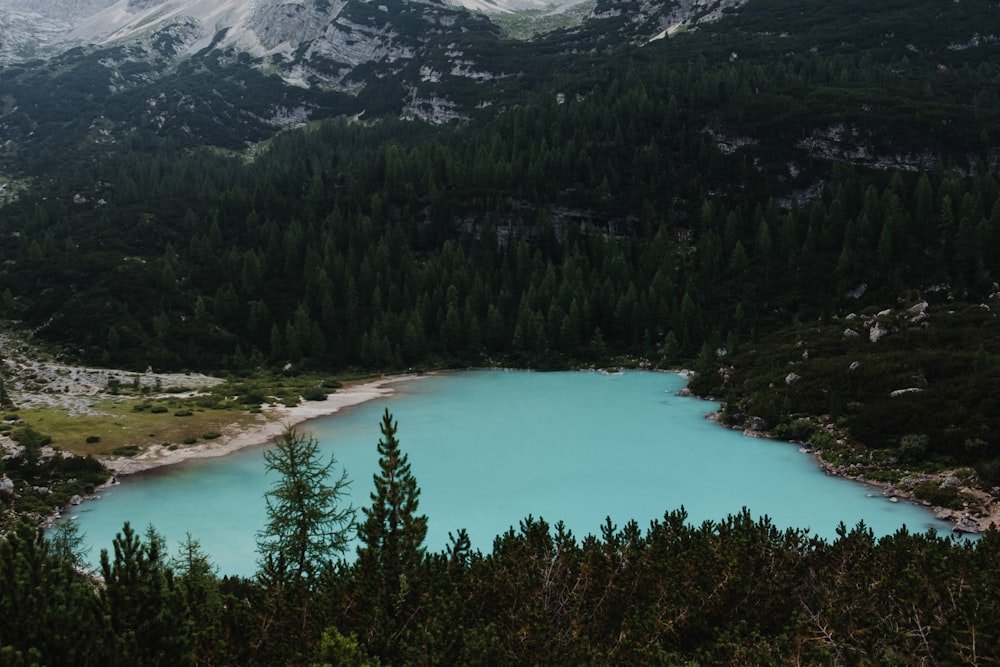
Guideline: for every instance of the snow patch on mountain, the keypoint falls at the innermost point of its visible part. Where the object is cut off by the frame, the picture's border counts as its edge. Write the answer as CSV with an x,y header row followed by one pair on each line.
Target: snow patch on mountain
x,y
510,6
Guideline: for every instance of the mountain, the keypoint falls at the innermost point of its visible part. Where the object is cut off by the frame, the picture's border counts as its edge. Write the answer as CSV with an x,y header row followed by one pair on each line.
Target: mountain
x,y
677,183
232,73
261,28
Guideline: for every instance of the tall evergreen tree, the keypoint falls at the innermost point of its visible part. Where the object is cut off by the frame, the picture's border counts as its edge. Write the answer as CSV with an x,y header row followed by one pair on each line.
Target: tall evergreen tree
x,y
391,549
392,534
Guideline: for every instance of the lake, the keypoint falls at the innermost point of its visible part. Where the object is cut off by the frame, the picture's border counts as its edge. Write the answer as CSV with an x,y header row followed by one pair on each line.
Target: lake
x,y
488,448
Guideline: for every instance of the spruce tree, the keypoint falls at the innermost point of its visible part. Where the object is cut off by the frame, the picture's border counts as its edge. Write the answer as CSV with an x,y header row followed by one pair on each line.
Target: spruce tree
x,y
391,548
392,534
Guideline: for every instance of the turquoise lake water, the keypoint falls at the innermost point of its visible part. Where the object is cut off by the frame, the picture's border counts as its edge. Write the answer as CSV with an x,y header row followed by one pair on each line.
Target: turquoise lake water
x,y
488,448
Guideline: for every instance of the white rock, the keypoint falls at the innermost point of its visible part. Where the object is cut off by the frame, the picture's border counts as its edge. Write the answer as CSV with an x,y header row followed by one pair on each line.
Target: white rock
x,y
877,332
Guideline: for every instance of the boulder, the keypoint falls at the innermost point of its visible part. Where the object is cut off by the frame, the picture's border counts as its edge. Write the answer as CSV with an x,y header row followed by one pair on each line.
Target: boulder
x,y
850,333
966,525
6,486
951,483
855,365
75,500
792,378
877,332
756,423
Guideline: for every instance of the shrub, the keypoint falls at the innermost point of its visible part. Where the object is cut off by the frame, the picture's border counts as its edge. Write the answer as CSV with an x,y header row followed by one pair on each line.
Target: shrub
x,y
92,439
251,397
30,438
211,435
976,448
913,448
158,409
989,471
932,492
189,441
314,394
126,450
183,413
331,384
821,439
799,429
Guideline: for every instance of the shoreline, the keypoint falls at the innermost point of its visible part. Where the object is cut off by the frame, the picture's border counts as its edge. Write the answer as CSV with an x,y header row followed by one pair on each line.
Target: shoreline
x,y
272,422
962,521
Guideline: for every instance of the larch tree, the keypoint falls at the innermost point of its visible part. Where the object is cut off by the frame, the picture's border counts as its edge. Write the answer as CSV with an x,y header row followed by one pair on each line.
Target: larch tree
x,y
308,523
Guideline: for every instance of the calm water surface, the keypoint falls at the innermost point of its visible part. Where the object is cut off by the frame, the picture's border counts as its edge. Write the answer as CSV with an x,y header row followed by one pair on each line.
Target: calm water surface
x,y
488,448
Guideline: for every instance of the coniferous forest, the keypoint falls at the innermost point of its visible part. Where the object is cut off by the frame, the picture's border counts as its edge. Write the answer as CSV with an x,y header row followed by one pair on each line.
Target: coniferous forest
x,y
802,206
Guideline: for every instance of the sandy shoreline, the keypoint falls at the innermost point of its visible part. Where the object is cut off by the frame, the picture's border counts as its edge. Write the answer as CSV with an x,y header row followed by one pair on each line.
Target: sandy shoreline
x,y
272,421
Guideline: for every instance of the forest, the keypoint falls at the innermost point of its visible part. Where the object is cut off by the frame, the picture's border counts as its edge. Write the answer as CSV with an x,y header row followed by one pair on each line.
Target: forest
x,y
754,200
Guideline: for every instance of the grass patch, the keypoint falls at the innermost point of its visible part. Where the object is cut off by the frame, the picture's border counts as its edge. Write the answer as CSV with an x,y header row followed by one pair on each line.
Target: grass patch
x,y
120,426
135,421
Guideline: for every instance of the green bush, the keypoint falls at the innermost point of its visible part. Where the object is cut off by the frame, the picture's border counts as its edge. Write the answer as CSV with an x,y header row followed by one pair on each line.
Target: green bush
x,y
932,492
821,439
126,450
331,384
989,471
183,413
799,429
30,438
251,397
314,394
211,435
189,441
158,409
92,439
913,448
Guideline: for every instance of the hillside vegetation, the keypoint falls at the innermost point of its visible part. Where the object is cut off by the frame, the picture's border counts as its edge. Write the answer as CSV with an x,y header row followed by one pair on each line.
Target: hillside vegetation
x,y
799,201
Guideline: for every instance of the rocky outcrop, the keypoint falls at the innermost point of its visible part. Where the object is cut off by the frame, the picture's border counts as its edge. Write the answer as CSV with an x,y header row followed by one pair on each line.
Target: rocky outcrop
x,y
903,392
